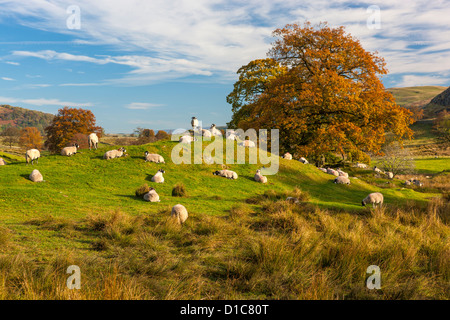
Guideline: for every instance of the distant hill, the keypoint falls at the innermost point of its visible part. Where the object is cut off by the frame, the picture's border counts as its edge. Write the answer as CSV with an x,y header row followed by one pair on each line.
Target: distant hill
x,y
21,118
439,103
415,96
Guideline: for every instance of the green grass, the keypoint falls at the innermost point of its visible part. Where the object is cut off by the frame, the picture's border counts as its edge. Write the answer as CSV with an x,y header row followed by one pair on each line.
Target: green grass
x,y
432,165
415,95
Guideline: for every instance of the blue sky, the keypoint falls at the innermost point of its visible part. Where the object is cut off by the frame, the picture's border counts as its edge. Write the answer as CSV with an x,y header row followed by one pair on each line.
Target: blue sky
x,y
155,64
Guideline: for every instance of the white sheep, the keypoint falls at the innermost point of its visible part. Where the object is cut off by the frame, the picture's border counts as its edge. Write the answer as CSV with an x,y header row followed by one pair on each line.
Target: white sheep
x,y
180,213
2,162
323,170
215,132
206,133
31,155
408,182
292,199
68,151
342,180
418,183
153,157
332,172
226,174
303,160
111,154
287,156
361,165
377,170
231,135
151,196
36,176
342,173
158,177
247,143
187,139
259,177
93,141
194,122
375,198
390,175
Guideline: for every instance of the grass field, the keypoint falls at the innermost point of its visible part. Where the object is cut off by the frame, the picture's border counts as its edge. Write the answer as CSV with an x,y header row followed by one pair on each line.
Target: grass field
x,y
415,95
242,240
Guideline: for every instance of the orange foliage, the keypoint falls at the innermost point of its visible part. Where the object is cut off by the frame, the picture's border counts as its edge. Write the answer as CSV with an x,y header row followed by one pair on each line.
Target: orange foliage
x,y
66,124
30,138
328,97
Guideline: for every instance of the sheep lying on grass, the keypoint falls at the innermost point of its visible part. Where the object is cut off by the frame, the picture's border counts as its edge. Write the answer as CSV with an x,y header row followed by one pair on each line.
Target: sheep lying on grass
x,y
93,141
153,157
342,173
377,170
375,198
31,155
390,175
332,172
151,196
287,156
215,132
206,133
323,170
111,154
361,165
259,177
180,213
292,199
303,160
247,143
187,139
226,174
68,151
2,162
36,176
158,177
342,180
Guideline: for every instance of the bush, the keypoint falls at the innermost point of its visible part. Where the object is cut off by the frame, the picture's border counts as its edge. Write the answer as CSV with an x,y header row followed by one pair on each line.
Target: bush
x,y
179,191
142,190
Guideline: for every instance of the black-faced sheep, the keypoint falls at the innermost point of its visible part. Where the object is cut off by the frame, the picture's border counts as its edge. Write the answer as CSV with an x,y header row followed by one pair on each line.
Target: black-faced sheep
x,y
68,151
303,160
287,156
153,157
342,180
111,154
31,155
194,122
259,177
226,174
158,177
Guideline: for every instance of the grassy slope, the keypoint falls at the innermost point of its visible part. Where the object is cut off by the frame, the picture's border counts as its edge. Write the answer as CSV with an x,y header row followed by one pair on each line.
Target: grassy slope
x,y
86,184
415,95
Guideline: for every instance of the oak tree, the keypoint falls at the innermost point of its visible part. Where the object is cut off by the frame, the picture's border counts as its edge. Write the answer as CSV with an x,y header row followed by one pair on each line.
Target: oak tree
x,y
324,94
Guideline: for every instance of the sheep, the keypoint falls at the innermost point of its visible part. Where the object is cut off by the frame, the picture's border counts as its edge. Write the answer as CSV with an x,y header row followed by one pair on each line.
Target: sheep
x,y
332,172
36,176
153,157
231,136
151,196
226,174
158,177
292,199
259,177
377,170
287,156
390,175
194,122
342,180
215,132
68,151
407,182
230,132
303,160
342,173
31,155
418,183
247,143
93,141
2,162
180,213
206,133
323,170
375,198
111,154
361,165
187,139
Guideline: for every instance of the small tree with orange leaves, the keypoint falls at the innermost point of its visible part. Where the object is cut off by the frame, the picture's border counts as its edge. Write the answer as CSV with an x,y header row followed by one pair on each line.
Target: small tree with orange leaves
x,y
30,138
66,124
324,95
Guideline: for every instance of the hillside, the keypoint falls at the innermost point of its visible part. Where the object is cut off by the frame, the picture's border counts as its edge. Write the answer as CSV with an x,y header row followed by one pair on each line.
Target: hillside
x,y
415,96
22,118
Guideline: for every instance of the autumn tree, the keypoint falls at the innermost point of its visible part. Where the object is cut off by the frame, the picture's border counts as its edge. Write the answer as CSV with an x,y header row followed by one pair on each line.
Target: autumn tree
x,y
161,135
323,94
11,135
66,124
30,138
145,135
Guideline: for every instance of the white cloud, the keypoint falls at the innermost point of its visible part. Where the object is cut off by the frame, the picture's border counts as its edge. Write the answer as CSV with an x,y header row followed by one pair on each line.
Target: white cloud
x,y
12,63
45,102
142,105
7,79
423,80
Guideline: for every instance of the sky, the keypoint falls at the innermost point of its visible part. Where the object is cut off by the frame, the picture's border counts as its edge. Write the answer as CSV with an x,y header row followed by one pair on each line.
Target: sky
x,y
157,63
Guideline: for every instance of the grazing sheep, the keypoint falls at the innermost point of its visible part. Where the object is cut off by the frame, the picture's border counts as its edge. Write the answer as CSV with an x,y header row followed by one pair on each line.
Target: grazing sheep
x,y
342,180
180,213
259,177
158,177
323,170
342,173
226,174
361,165
153,157
231,135
68,151
31,155
111,154
215,132
36,176
332,172
2,162
187,139
377,170
292,199
375,198
287,156
247,143
303,160
151,196
206,133
390,175
194,122
93,141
